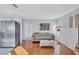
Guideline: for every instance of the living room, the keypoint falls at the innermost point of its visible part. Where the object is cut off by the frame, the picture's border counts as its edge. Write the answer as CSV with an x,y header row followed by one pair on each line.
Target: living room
x,y
68,35
39,29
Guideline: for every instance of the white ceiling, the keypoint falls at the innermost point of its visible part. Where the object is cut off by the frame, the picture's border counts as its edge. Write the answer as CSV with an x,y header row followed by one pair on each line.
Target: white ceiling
x,y
39,11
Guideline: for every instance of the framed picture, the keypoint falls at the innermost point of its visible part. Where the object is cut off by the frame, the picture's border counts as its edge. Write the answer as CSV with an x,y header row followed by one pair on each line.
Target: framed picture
x,y
44,26
71,22
76,20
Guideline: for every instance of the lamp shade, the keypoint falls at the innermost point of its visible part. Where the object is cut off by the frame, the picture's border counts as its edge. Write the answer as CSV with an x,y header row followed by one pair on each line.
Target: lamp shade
x,y
59,27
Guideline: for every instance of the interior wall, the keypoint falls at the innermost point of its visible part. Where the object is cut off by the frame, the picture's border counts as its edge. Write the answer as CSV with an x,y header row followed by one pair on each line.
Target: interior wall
x,y
30,26
27,28
37,25
68,36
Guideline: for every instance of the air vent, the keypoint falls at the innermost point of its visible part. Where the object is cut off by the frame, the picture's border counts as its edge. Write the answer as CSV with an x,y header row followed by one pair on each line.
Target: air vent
x,y
15,5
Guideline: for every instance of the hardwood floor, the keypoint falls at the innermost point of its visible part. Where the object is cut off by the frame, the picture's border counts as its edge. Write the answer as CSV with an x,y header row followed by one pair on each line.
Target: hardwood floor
x,y
64,50
37,50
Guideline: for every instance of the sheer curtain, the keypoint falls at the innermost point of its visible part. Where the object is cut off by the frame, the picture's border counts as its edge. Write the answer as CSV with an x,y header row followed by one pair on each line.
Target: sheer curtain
x,y
14,17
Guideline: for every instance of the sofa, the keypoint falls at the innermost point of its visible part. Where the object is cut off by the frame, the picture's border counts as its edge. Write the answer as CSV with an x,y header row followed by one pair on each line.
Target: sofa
x,y
43,36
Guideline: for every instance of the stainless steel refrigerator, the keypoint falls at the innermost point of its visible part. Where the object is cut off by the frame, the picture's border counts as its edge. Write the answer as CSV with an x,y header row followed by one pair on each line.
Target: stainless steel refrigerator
x,y
9,33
